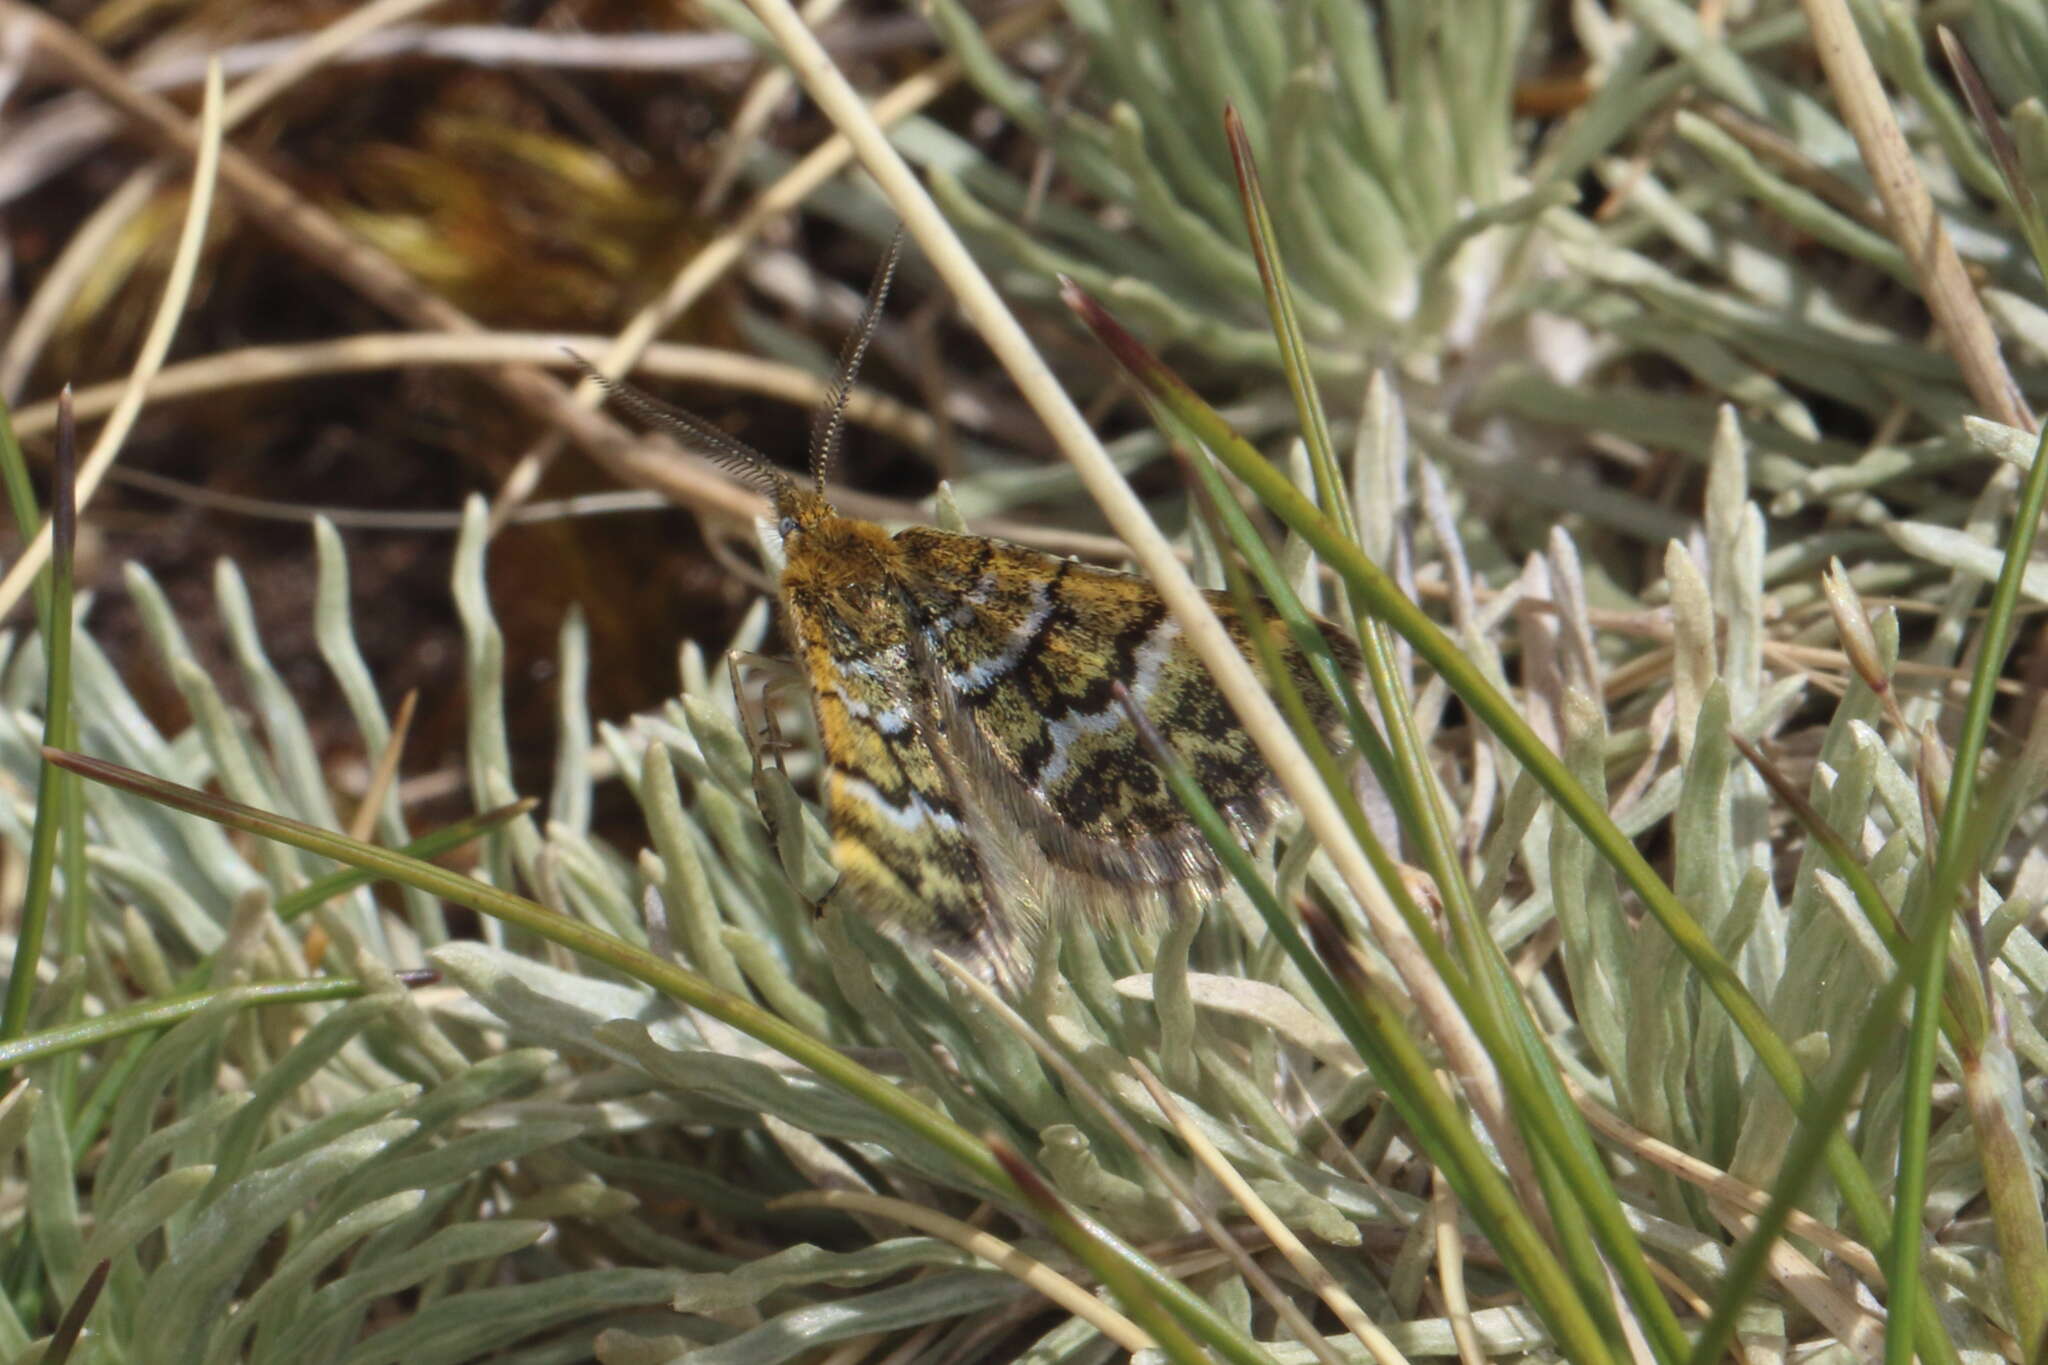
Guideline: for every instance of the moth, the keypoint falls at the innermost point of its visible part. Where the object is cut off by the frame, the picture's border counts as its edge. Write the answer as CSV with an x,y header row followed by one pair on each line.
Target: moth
x,y
979,771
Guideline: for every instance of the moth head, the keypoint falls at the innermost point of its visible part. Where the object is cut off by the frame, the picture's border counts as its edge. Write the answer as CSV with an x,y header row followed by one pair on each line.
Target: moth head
x,y
799,509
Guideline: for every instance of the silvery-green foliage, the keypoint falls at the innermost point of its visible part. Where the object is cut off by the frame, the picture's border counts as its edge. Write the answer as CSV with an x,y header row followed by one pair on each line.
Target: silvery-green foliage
x,y
1383,143
1699,230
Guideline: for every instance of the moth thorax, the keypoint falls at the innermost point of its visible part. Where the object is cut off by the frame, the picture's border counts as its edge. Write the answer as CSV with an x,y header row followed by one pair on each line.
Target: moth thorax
x,y
838,552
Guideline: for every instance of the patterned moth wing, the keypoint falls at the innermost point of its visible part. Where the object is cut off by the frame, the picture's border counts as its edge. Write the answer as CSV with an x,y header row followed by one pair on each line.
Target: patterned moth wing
x,y
1022,651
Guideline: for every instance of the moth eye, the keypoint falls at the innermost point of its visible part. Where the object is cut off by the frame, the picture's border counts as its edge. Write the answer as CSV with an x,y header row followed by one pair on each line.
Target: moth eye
x,y
787,528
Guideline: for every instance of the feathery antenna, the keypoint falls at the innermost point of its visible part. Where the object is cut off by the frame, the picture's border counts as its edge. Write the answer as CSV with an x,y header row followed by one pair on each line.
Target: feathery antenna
x,y
693,431
830,422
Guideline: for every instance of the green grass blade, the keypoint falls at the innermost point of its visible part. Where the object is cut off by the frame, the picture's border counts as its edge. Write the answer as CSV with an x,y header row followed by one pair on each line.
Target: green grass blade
x,y
1824,1116
1294,361
1877,911
53,600
1171,1339
152,1015
430,845
85,1123
1958,857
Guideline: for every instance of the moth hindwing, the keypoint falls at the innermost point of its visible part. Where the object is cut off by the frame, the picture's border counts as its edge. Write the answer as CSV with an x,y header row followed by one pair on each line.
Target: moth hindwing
x,y
979,771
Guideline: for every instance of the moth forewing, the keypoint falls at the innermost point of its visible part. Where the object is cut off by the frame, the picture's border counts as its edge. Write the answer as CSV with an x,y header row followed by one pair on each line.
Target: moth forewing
x,y
1027,653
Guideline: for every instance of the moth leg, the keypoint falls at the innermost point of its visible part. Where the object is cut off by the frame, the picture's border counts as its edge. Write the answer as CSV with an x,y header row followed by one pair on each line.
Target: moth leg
x,y
758,724
773,796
